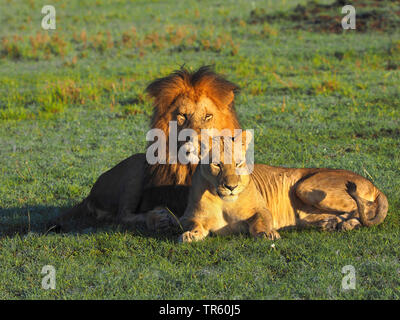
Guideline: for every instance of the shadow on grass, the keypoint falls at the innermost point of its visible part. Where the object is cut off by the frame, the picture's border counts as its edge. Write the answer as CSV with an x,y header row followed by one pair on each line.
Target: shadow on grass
x,y
20,221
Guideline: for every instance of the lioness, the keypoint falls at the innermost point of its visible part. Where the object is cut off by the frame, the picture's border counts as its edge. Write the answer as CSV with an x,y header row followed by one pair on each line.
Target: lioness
x,y
223,201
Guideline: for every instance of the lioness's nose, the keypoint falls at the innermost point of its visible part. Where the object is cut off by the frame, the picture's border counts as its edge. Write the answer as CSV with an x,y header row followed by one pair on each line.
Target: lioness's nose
x,y
230,186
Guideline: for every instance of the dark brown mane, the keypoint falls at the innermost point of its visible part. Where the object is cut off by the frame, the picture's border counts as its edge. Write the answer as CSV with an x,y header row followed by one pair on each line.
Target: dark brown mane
x,y
165,91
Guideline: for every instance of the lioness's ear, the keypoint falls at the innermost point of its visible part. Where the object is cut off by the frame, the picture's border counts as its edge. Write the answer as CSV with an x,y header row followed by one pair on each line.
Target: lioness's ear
x,y
247,137
243,137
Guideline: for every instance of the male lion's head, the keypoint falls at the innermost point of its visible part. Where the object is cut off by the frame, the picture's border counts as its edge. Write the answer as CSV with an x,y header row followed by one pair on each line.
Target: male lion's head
x,y
195,100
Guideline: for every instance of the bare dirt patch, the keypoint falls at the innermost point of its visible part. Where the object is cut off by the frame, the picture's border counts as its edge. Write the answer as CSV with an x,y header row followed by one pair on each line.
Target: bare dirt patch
x,y
371,15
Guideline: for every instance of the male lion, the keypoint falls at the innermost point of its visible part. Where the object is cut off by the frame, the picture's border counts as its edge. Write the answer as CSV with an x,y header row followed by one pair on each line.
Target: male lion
x,y
195,100
223,200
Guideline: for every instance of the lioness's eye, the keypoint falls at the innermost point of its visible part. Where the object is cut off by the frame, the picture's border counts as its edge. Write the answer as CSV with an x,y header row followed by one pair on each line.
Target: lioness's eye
x,y
208,117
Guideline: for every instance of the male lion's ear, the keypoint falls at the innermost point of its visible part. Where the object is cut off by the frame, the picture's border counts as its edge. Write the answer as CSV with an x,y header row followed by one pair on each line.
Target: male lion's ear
x,y
223,91
215,86
165,91
228,98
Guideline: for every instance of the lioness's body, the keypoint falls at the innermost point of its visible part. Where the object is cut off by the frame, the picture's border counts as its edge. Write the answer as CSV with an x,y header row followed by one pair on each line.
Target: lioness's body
x,y
299,197
272,198
208,212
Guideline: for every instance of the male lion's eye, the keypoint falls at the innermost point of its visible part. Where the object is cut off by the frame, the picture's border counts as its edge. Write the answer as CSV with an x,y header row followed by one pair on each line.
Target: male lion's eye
x,y
208,117
215,164
181,118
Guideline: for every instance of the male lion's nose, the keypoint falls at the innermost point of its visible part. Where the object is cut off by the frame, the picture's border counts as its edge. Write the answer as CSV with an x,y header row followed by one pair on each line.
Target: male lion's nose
x,y
230,186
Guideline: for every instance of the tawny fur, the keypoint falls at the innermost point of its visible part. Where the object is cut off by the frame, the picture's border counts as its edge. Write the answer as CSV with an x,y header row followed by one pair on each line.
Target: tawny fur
x,y
194,95
203,99
273,198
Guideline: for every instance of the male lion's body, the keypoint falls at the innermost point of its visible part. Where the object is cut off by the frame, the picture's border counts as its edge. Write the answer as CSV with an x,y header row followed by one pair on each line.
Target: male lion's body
x,y
195,100
271,198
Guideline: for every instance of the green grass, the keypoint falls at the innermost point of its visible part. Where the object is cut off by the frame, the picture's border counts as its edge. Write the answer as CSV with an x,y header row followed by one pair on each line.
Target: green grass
x,y
72,106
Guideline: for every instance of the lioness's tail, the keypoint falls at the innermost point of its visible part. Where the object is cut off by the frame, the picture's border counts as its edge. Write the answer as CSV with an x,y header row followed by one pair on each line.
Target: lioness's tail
x,y
370,212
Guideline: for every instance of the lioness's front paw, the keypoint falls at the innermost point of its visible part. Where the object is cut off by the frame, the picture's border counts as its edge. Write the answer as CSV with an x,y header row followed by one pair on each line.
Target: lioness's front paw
x,y
190,236
270,235
349,225
328,224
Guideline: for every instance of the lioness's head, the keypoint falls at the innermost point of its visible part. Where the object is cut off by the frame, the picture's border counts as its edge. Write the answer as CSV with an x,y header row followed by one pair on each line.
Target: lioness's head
x,y
227,170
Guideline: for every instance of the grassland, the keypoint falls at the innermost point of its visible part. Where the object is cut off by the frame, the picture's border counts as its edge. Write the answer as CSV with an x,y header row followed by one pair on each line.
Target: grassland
x,y
72,106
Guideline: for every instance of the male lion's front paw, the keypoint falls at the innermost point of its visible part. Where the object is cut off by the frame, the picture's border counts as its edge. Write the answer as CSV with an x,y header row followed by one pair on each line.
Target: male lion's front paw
x,y
166,222
190,236
270,235
160,220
